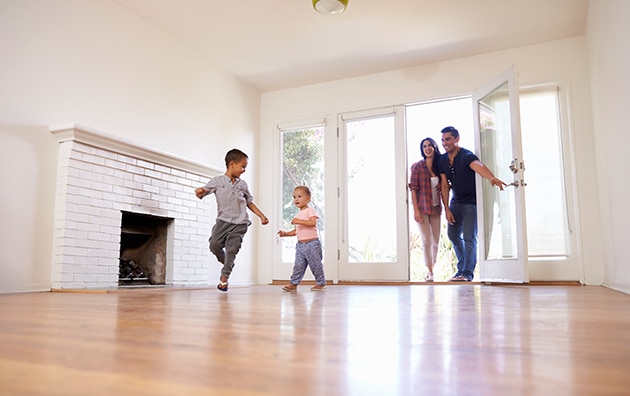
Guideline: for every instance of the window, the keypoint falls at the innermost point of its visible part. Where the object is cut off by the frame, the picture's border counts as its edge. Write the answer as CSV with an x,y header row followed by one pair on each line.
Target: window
x,y
545,194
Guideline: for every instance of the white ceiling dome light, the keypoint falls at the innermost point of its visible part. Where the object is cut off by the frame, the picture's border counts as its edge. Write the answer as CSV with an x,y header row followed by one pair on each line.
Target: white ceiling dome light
x,y
330,7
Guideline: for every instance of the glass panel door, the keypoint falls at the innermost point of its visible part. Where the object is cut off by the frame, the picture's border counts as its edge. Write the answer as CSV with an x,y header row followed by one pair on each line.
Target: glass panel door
x,y
501,214
373,243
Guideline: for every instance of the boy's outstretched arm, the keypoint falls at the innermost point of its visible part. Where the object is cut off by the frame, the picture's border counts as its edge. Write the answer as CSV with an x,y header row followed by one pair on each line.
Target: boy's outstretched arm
x,y
252,206
201,192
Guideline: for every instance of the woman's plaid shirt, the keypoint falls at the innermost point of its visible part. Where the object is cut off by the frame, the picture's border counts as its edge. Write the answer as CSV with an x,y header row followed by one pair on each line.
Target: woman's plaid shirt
x,y
420,182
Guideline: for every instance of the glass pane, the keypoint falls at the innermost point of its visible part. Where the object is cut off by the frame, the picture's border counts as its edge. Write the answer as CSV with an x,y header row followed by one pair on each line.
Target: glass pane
x,y
496,152
371,190
547,226
302,164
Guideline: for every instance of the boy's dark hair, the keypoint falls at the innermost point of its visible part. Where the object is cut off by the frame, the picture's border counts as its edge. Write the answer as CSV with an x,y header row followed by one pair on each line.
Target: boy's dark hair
x,y
234,155
303,188
452,130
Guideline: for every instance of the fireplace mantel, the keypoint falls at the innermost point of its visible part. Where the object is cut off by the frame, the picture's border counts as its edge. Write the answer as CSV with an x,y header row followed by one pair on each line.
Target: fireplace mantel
x,y
102,140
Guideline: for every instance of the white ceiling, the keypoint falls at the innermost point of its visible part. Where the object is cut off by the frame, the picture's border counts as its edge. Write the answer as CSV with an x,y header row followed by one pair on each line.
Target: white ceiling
x,y
277,44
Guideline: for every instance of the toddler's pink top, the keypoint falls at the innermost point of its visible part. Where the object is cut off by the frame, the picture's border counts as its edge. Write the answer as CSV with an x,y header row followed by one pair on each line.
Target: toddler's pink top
x,y
303,232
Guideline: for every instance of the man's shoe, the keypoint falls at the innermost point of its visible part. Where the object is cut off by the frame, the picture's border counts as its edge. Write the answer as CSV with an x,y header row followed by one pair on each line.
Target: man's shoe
x,y
459,278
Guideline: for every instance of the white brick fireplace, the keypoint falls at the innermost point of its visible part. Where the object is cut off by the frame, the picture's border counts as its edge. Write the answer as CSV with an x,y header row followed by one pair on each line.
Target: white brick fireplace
x,y
99,177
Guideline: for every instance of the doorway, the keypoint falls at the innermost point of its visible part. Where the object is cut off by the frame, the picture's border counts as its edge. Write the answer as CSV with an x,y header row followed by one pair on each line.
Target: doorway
x,y
427,120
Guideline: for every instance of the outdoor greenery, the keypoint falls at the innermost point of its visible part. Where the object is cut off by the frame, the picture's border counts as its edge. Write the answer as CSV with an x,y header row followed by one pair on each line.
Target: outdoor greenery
x,y
446,264
303,153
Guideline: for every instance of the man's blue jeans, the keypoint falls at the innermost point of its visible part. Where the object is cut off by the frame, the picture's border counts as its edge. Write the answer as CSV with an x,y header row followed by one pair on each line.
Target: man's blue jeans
x,y
463,235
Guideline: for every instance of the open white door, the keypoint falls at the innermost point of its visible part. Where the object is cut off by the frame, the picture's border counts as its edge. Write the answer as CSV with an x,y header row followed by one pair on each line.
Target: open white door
x,y
501,214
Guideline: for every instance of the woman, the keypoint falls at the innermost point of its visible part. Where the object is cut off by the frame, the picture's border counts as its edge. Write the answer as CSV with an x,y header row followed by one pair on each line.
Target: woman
x,y
424,184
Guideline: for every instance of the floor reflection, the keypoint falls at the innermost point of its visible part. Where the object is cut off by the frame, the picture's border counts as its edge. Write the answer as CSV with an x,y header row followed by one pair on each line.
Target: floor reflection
x,y
348,340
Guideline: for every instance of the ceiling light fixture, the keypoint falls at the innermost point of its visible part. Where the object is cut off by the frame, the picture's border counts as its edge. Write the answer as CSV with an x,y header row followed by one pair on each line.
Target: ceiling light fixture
x,y
330,7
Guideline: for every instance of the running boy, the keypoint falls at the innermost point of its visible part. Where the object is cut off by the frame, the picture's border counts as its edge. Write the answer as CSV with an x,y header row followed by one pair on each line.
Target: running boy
x,y
233,197
308,250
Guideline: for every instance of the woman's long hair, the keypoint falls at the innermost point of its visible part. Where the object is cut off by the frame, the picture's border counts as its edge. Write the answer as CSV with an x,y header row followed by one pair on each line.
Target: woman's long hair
x,y
436,153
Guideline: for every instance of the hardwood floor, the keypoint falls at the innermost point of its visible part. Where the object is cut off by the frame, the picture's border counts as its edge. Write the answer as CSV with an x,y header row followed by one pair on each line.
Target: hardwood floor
x,y
347,340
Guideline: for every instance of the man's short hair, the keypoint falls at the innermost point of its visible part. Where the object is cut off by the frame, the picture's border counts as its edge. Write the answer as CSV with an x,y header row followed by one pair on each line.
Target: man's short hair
x,y
234,155
452,130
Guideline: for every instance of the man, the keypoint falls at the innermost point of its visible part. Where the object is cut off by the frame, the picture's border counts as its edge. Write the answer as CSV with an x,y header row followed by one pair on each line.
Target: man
x,y
457,168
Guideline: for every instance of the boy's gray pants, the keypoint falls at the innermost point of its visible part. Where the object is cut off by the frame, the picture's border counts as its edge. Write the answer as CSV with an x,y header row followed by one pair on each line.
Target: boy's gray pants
x,y
225,242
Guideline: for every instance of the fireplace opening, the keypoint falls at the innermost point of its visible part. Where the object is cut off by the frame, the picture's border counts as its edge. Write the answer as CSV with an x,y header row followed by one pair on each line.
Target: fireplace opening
x,y
143,240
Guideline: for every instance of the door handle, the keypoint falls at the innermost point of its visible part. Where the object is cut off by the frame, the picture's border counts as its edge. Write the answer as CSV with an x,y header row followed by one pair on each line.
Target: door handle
x,y
515,167
517,183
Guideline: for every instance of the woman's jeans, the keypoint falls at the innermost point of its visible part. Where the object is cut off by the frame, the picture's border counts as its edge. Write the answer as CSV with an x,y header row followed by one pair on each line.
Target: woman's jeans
x,y
463,235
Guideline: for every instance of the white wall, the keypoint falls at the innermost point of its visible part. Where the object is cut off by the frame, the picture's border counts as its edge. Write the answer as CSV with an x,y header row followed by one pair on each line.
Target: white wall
x,y
564,60
609,59
93,63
